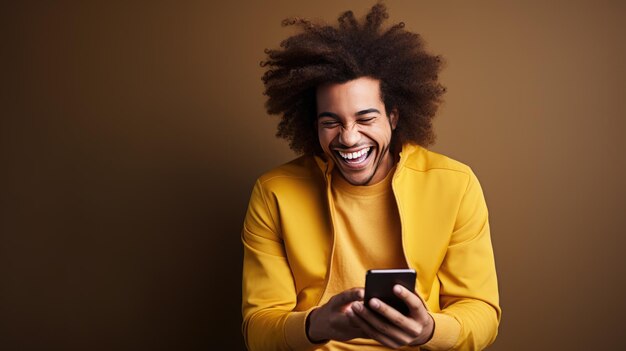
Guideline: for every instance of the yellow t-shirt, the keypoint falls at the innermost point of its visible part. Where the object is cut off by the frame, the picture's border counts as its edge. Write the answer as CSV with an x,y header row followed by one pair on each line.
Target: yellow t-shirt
x,y
367,236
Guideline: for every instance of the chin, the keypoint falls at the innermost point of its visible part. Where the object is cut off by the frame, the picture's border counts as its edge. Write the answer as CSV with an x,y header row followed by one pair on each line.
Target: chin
x,y
358,180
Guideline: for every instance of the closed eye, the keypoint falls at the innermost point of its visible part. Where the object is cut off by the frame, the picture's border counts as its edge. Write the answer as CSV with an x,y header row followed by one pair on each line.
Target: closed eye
x,y
367,119
329,124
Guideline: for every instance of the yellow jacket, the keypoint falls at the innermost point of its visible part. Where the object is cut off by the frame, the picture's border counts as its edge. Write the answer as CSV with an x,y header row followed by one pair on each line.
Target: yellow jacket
x,y
288,246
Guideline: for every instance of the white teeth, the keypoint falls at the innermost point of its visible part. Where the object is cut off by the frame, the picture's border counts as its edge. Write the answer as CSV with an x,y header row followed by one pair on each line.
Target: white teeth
x,y
356,154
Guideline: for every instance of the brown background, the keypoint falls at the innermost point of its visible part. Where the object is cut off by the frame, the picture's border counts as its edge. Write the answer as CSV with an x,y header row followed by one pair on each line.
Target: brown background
x,y
131,134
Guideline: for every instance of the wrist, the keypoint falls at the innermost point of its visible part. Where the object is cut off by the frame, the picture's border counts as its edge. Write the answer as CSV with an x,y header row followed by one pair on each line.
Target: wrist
x,y
311,331
432,329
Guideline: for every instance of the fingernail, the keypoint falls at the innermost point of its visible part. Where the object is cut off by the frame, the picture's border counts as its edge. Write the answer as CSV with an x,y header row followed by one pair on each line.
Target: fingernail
x,y
397,289
374,303
356,306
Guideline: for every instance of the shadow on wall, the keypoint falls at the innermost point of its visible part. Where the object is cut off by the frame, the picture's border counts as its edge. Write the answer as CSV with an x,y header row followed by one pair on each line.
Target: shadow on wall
x,y
118,241
123,196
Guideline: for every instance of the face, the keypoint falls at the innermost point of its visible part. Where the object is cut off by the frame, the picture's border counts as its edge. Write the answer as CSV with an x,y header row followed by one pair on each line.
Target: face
x,y
355,130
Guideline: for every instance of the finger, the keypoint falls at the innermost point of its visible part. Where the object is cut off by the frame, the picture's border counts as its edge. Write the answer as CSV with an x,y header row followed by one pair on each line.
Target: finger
x,y
420,319
370,331
381,324
347,296
406,324
413,301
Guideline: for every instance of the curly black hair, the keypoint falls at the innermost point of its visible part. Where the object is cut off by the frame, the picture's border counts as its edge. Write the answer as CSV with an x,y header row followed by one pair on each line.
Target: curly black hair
x,y
322,54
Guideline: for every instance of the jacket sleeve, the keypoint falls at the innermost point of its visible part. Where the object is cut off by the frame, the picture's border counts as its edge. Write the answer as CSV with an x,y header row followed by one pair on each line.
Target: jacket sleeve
x,y
470,311
268,289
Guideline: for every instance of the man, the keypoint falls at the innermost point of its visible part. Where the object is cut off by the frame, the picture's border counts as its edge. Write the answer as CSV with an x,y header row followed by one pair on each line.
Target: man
x,y
358,102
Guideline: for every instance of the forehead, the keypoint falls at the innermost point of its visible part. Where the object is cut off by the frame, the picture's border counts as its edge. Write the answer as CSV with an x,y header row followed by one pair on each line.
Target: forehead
x,y
354,95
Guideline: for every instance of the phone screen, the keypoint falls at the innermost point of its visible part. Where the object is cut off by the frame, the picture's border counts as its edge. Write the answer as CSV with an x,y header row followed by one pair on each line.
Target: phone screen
x,y
379,283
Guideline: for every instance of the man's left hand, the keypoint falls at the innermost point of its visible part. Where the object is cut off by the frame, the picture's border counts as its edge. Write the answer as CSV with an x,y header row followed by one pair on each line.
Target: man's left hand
x,y
390,327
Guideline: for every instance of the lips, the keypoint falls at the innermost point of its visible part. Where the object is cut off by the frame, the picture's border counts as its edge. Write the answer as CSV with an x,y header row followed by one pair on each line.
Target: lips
x,y
356,158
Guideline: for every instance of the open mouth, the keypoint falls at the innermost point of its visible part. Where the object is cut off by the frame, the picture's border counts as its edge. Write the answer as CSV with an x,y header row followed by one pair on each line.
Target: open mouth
x,y
354,158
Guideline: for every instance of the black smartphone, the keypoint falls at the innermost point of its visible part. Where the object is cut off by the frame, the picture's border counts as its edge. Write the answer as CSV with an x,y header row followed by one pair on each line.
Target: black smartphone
x,y
379,284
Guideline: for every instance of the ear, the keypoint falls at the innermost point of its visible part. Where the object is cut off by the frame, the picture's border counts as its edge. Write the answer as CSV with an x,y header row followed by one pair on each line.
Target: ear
x,y
393,118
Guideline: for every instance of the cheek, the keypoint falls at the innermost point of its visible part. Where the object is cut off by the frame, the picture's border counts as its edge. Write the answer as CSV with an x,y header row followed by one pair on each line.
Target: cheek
x,y
325,137
380,135
387,132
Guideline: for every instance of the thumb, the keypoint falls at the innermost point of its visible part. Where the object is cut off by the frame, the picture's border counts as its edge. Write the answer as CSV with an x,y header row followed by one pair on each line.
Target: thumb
x,y
413,300
347,296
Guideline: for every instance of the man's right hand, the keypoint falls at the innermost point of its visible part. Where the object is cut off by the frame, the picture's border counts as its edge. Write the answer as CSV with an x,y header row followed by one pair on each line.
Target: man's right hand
x,y
330,321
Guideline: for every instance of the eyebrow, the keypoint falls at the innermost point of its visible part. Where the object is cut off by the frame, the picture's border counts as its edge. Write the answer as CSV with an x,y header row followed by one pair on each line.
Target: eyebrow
x,y
360,113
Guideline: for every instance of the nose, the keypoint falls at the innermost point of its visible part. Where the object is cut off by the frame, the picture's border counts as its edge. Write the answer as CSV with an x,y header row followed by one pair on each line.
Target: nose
x,y
349,135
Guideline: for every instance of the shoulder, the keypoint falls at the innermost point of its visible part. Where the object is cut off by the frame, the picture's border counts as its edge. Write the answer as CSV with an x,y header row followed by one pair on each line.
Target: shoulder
x,y
421,159
300,171
437,177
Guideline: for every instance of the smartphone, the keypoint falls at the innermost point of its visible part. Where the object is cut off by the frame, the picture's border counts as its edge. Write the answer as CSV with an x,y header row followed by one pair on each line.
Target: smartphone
x,y
379,284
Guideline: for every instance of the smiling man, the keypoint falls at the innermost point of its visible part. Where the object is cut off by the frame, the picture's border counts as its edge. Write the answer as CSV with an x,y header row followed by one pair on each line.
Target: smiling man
x,y
355,130
358,101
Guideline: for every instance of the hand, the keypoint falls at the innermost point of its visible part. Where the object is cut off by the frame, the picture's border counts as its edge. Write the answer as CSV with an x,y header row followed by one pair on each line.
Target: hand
x,y
330,321
390,327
